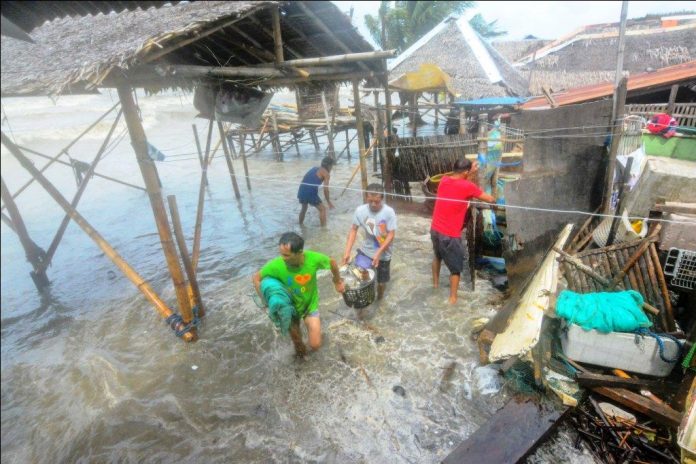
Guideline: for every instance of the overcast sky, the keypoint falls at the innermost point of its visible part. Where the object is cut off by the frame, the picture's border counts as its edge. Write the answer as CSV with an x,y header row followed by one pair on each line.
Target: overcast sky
x,y
546,20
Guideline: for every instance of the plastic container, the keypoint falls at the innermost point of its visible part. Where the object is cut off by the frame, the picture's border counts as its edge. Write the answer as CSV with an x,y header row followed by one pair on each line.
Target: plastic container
x,y
618,350
363,294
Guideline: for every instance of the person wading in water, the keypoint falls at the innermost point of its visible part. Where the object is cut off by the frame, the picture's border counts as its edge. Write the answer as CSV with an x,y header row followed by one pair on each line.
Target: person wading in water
x,y
296,268
308,193
449,214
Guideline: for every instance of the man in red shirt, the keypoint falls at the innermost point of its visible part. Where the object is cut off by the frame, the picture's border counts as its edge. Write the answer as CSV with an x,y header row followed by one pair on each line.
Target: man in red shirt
x,y
452,201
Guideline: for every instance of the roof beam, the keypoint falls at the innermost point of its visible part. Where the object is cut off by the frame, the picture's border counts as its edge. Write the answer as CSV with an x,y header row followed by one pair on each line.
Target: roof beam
x,y
339,59
320,24
269,56
269,33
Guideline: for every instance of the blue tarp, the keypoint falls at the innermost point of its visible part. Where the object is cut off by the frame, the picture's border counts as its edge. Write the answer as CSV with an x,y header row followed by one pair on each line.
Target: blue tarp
x,y
492,101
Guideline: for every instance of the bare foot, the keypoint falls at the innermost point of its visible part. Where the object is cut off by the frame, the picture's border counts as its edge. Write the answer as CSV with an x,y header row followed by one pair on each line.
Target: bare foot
x,y
300,350
452,301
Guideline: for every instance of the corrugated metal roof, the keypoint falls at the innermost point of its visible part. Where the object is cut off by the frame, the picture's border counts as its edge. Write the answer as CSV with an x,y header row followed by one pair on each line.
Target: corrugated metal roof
x,y
661,77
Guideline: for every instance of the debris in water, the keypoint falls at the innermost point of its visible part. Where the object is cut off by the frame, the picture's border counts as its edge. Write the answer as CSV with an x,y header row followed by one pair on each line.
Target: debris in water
x,y
478,324
111,275
399,390
194,367
379,339
448,372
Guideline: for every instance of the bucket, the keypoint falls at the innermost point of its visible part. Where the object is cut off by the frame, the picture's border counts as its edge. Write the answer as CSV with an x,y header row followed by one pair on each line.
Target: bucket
x,y
624,230
363,294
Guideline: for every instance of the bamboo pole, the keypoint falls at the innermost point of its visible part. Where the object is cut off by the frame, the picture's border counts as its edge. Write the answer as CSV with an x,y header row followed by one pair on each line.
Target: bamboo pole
x,y
340,59
32,251
361,137
379,135
201,197
482,147
663,288
616,132
277,36
78,195
108,250
276,138
105,177
329,131
315,141
183,251
200,153
8,222
228,159
151,179
355,171
242,153
257,146
64,150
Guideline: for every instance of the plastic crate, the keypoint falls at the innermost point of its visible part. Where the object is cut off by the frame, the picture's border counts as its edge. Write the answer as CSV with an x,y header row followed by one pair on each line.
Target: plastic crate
x,y
680,265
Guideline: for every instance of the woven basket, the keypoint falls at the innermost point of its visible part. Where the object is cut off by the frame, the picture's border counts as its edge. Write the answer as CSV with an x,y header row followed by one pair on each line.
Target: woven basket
x,y
362,296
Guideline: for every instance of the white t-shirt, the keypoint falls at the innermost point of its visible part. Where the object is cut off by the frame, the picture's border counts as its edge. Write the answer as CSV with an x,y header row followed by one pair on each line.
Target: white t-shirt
x,y
375,227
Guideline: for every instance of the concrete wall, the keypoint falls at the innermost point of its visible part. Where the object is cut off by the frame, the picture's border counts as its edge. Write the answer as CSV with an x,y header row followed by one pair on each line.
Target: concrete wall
x,y
563,169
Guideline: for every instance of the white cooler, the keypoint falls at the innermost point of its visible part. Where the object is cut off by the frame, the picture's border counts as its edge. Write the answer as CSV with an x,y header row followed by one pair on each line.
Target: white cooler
x,y
619,350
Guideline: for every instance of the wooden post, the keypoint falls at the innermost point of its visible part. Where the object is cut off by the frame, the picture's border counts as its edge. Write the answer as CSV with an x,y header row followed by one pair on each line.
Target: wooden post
x,y
230,142
620,59
149,173
379,136
276,141
228,159
482,147
387,174
32,251
348,144
76,199
436,97
616,131
277,37
183,251
315,141
672,99
361,138
201,197
294,142
413,112
242,153
108,250
329,133
622,188
200,153
462,120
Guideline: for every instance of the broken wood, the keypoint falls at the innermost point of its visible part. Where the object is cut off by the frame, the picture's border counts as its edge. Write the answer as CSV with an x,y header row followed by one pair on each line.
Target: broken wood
x,y
589,380
660,413
495,441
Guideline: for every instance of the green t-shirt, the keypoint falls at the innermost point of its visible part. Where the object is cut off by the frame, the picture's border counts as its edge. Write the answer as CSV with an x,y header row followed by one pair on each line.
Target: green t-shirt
x,y
301,281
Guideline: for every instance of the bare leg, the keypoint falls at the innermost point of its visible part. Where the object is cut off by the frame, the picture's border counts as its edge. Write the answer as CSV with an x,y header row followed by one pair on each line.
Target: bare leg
x,y
454,285
314,331
322,214
296,336
303,211
436,272
380,290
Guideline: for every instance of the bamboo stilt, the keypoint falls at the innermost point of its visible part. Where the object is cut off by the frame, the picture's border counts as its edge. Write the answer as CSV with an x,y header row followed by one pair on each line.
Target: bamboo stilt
x,y
201,197
294,139
275,138
228,159
242,153
108,250
78,195
329,131
347,145
8,222
32,251
65,149
436,122
183,251
151,178
315,141
379,136
198,149
361,136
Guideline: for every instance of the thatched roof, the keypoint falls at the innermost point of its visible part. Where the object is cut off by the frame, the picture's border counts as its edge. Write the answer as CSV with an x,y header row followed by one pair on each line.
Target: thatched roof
x,y
513,50
476,69
74,53
588,59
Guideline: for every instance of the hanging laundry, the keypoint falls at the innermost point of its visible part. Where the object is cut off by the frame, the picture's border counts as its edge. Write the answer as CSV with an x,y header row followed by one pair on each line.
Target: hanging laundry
x,y
154,153
662,124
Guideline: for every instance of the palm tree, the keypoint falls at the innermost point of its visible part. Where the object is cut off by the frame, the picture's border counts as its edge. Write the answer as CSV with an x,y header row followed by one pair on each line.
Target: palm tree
x,y
406,21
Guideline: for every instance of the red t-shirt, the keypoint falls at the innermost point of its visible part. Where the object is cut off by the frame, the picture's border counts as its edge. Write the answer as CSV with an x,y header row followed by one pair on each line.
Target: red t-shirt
x,y
448,216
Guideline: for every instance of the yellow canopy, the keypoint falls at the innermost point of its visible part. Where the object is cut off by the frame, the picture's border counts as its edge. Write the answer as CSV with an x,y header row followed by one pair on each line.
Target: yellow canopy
x,y
429,77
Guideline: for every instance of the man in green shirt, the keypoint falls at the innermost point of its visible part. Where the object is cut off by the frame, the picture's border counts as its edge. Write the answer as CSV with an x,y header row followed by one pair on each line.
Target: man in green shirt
x,y
297,269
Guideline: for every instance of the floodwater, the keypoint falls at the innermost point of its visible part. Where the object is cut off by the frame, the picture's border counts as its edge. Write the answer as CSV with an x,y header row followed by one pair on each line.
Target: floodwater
x,y
90,372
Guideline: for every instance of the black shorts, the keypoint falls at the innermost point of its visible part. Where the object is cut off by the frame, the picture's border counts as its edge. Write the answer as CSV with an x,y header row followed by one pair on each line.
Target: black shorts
x,y
449,249
383,274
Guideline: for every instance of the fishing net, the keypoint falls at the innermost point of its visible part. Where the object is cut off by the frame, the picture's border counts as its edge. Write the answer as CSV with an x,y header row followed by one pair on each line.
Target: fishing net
x,y
521,377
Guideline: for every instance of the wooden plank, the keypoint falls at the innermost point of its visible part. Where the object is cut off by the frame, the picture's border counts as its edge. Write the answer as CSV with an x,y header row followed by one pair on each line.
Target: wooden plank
x,y
589,380
661,413
494,442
